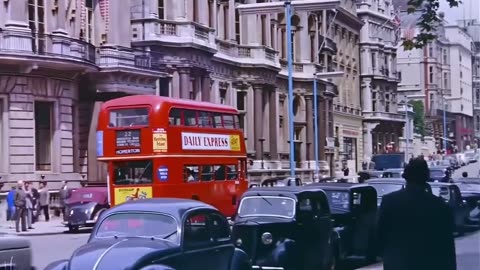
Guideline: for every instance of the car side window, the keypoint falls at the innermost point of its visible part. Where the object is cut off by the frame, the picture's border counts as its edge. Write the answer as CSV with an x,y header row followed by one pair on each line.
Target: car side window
x,y
196,231
219,228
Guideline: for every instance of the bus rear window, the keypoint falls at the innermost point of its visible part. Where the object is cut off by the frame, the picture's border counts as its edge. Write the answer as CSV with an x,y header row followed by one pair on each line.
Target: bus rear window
x,y
129,117
132,172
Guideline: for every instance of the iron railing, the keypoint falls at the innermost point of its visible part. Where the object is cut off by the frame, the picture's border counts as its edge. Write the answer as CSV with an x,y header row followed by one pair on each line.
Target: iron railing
x,y
46,45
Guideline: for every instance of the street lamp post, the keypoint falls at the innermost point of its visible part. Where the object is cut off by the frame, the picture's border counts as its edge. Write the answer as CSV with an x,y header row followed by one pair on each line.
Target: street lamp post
x,y
444,125
286,6
407,131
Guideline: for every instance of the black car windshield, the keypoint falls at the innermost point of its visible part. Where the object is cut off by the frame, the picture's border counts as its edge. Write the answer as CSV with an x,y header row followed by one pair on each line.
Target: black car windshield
x,y
383,189
339,201
267,206
437,173
134,224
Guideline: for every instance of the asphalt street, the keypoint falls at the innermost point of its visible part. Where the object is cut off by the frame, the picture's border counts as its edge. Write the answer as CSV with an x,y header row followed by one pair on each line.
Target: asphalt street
x,y
47,249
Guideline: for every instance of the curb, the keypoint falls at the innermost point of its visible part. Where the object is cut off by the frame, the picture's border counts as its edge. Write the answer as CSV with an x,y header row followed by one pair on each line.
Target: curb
x,y
39,234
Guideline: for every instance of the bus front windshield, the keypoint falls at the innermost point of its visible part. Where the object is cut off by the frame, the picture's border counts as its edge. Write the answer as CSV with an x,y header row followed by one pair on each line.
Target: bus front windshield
x,y
132,172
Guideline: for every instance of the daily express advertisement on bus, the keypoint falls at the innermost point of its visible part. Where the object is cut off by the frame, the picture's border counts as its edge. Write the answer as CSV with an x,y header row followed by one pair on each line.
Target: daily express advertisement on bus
x,y
204,141
124,194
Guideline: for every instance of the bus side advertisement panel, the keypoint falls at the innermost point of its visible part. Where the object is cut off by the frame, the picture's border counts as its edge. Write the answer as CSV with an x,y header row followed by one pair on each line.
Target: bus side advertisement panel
x,y
124,194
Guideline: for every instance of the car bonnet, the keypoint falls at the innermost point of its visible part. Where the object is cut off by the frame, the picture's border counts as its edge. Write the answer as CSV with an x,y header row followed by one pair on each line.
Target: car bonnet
x,y
119,254
13,242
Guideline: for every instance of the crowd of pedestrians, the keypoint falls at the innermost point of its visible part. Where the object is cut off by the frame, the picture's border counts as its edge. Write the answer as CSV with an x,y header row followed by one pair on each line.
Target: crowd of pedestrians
x,y
26,204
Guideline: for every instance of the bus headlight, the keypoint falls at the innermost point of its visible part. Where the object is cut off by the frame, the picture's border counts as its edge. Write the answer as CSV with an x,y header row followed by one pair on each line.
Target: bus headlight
x,y
267,238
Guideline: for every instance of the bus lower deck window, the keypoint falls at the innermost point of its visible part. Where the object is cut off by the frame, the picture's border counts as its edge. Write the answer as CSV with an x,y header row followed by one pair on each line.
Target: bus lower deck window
x,y
205,173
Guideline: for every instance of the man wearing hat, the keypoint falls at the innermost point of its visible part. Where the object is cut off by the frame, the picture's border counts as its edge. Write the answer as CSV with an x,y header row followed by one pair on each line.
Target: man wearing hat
x,y
415,227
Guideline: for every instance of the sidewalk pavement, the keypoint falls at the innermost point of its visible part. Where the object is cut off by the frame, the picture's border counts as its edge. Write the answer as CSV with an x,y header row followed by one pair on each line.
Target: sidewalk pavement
x,y
54,226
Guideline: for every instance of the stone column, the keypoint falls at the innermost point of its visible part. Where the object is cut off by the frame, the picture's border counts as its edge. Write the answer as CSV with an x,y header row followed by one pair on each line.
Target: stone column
x,y
214,14
17,14
368,140
179,9
185,85
119,32
322,122
231,19
61,16
273,124
367,96
310,130
206,88
258,120
202,12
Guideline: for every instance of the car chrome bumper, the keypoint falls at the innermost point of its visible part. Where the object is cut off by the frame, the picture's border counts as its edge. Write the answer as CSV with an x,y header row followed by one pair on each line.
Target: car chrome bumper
x,y
267,267
86,223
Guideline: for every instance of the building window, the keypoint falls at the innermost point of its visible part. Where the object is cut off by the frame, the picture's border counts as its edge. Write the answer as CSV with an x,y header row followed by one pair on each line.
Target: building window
x,y
399,75
460,58
90,21
43,135
272,36
161,9
263,20
430,74
241,100
195,10
223,95
374,60
36,21
461,74
478,123
430,50
237,26
211,14
374,106
461,91
226,22
477,96
445,80
312,48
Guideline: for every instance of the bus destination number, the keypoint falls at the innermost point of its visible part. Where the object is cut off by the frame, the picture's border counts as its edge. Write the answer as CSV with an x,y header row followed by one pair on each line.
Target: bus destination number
x,y
130,138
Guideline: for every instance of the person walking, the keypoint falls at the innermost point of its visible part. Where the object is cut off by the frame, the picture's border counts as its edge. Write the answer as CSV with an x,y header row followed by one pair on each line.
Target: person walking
x,y
11,204
30,205
20,207
64,195
415,227
43,201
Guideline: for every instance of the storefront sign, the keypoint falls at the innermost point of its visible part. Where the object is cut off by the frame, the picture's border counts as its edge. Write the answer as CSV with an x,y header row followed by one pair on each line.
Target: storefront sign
x,y
202,141
131,194
350,133
160,142
128,151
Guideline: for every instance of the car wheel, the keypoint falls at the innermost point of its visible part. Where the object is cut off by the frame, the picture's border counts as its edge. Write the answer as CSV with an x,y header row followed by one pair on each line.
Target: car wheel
x,y
72,229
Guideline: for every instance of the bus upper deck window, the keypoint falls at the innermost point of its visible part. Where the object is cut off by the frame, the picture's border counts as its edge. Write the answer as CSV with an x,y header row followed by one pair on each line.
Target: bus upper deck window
x,y
190,118
129,117
228,121
217,120
205,119
175,117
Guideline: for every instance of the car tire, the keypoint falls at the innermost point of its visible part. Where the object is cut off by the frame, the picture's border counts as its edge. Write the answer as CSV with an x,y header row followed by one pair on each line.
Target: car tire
x,y
72,229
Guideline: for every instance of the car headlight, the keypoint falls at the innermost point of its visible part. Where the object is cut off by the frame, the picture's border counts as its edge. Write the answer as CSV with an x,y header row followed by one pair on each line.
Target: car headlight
x,y
267,238
238,242
71,212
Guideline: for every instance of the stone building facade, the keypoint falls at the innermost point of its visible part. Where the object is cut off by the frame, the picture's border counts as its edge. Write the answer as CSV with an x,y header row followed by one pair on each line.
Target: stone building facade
x,y
383,124
55,66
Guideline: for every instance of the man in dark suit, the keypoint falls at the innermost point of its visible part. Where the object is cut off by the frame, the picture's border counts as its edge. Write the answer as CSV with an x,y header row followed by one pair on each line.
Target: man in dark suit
x,y
415,227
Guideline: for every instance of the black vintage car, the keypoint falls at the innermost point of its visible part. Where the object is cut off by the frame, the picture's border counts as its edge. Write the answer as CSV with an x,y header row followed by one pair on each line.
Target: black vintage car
x,y
366,175
286,228
440,174
159,234
450,193
393,173
384,186
279,182
354,211
84,206
470,190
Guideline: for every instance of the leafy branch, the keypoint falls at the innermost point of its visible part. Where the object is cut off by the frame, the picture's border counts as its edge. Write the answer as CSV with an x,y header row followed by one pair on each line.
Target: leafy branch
x,y
428,21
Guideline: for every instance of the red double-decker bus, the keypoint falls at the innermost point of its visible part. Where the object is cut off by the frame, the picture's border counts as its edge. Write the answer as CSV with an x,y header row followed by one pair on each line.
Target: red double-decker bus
x,y
163,147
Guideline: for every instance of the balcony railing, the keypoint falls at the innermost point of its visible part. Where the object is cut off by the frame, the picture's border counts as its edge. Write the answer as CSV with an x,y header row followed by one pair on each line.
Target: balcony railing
x,y
384,115
45,45
328,44
347,109
252,54
117,56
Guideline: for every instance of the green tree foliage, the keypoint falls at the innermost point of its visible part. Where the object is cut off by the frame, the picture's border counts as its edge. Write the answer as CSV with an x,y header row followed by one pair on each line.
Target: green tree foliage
x,y
428,22
418,116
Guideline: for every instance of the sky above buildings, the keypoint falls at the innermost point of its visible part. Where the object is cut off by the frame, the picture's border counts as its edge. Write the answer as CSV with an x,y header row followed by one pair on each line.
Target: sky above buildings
x,y
469,9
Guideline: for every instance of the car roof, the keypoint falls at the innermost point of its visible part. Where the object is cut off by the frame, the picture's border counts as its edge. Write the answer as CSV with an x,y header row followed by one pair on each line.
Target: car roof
x,y
171,206
288,191
338,186
396,181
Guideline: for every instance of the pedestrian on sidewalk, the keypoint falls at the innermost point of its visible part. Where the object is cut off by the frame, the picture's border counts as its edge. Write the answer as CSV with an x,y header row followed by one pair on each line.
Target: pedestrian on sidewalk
x,y
20,207
30,204
415,227
64,194
43,201
11,204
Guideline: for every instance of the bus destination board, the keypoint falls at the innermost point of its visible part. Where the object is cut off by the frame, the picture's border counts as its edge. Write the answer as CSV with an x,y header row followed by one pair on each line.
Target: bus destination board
x,y
128,138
